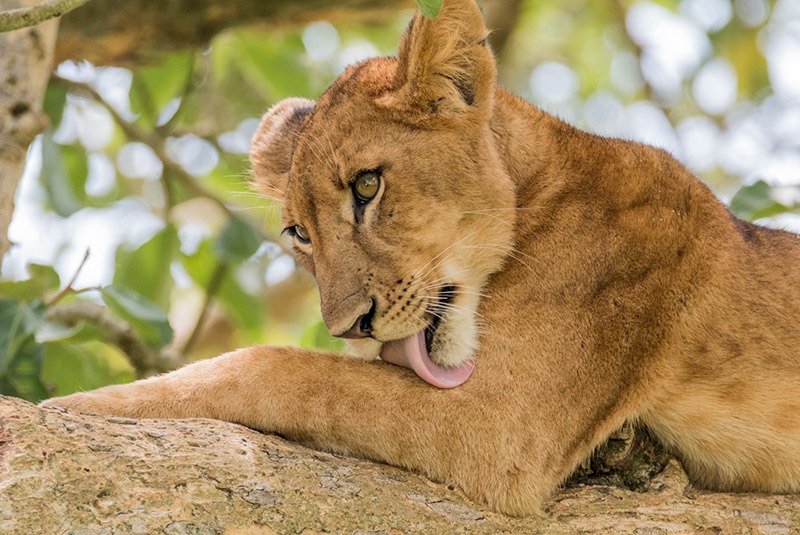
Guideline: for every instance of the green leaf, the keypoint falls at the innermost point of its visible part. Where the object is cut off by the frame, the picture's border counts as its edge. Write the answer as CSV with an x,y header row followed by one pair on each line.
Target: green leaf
x,y
269,62
18,321
48,331
20,356
317,336
70,367
55,99
64,172
42,279
740,46
242,308
430,8
148,320
754,202
146,269
23,374
230,180
153,87
180,192
238,241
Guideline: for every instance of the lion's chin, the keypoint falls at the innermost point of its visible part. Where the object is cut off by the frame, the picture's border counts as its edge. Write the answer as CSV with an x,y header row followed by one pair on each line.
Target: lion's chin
x,y
364,348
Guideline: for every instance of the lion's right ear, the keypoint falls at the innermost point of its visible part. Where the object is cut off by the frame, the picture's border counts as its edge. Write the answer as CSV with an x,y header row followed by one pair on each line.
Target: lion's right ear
x,y
444,67
273,144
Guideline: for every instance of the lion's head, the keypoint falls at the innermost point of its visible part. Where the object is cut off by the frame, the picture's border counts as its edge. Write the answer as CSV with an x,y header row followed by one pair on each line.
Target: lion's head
x,y
395,195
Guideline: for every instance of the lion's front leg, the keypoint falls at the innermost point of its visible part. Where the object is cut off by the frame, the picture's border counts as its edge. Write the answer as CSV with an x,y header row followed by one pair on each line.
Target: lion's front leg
x,y
330,401
235,387
183,393
337,403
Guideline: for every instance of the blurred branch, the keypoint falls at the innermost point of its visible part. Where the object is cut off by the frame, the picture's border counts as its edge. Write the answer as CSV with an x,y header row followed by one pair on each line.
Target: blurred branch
x,y
168,199
68,289
156,144
166,128
24,17
102,32
501,19
211,290
151,140
143,358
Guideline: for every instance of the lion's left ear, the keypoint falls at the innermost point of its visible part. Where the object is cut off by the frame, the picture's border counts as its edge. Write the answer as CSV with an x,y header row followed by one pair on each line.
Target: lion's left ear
x,y
445,68
273,144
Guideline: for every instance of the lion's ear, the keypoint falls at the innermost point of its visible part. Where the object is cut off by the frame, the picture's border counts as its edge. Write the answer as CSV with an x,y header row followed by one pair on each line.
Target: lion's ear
x,y
273,144
445,67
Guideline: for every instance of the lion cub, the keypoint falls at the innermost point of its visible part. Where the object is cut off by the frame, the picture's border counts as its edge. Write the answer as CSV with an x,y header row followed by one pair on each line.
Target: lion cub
x,y
517,289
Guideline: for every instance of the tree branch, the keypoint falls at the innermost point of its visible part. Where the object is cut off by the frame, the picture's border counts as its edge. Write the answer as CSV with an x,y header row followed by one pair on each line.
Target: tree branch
x,y
144,359
63,470
211,290
103,34
155,143
68,289
24,17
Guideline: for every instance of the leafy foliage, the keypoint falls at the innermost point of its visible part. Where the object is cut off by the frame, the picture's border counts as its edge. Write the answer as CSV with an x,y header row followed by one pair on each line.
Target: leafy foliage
x,y
430,8
146,269
40,358
756,202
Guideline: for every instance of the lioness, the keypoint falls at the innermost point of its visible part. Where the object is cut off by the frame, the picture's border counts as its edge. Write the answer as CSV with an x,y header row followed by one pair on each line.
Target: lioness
x,y
538,286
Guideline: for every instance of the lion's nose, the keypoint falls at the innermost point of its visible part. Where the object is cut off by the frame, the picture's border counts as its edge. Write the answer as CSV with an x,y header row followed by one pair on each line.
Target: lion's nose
x,y
362,327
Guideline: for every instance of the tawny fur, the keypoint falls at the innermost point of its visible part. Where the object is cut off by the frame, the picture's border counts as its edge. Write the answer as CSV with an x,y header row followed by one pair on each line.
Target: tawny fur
x,y
598,282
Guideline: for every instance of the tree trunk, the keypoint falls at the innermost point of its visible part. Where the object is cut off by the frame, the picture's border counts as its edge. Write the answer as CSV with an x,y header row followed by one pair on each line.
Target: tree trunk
x,y
61,471
25,63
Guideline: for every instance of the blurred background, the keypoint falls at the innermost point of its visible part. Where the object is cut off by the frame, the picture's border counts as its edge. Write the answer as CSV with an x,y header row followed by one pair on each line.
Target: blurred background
x,y
138,244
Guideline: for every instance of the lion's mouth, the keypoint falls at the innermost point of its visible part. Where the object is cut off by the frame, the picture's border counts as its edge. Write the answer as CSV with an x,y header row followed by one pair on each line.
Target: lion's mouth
x,y
446,297
414,351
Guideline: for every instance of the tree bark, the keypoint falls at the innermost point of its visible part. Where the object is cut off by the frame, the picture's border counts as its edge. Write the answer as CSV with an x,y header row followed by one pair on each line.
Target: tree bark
x,y
25,63
129,32
25,17
61,471
103,32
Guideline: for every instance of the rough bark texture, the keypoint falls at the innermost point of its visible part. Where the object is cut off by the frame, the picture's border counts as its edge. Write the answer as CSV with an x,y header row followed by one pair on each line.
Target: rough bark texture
x,y
61,471
126,32
25,62
103,32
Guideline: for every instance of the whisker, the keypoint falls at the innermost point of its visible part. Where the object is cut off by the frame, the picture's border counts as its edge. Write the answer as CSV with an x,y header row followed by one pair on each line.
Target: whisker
x,y
417,274
504,221
449,307
512,252
512,209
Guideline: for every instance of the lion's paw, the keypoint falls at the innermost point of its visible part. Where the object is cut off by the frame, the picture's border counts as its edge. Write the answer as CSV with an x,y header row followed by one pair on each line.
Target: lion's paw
x,y
86,403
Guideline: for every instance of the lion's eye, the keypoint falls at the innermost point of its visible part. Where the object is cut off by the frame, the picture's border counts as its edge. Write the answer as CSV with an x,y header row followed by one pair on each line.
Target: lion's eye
x,y
301,234
366,186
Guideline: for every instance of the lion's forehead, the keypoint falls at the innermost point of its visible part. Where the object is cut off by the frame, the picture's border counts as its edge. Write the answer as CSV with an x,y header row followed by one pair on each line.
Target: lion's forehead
x,y
369,78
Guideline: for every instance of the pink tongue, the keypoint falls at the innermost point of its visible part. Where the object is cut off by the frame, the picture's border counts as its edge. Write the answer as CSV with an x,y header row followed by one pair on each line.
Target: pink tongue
x,y
410,352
